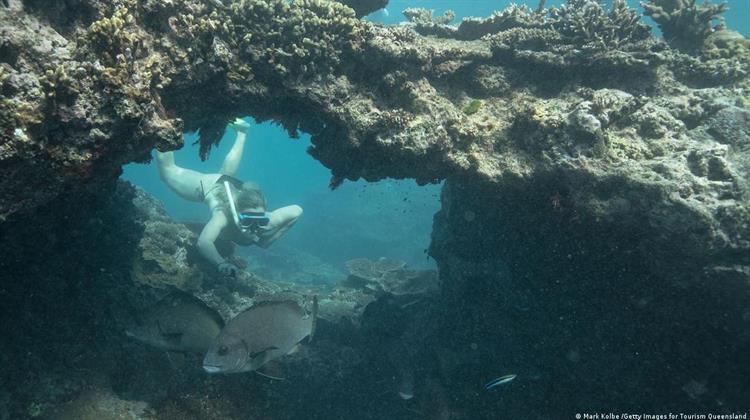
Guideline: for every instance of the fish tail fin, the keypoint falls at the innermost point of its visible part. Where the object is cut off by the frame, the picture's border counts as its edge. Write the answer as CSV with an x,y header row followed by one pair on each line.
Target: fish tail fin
x,y
314,317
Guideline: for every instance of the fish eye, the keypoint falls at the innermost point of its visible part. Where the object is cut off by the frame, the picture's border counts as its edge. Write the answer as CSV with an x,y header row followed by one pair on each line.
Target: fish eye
x,y
223,350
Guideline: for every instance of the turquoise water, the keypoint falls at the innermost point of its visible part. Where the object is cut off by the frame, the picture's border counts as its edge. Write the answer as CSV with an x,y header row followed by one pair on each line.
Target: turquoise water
x,y
391,218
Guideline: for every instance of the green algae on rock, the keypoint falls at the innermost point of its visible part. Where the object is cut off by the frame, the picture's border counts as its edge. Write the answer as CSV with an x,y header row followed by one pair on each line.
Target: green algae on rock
x,y
472,107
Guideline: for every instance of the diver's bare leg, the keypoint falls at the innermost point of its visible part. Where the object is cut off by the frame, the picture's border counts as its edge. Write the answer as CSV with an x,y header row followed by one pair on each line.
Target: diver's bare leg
x,y
187,183
232,160
281,220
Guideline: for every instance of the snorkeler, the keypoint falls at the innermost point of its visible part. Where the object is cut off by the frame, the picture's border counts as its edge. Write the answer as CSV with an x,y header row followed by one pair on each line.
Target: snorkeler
x,y
238,209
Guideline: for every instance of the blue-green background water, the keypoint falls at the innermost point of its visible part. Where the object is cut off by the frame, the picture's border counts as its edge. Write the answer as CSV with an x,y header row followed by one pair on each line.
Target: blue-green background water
x,y
737,18
391,218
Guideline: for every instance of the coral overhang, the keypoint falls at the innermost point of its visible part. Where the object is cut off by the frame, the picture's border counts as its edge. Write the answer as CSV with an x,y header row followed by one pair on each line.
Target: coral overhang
x,y
602,104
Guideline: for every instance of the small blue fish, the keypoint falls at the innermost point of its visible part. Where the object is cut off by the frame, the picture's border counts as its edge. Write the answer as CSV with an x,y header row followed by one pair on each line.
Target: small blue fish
x,y
499,381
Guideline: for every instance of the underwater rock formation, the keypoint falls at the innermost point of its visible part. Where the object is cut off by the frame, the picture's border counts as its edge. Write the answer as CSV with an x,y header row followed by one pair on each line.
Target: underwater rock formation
x,y
529,286
70,319
163,259
573,124
389,276
82,110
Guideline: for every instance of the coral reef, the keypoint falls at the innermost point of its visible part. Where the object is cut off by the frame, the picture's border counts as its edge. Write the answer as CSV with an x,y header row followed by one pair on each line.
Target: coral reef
x,y
166,257
135,67
599,194
290,265
586,23
685,24
513,16
426,24
389,276
165,248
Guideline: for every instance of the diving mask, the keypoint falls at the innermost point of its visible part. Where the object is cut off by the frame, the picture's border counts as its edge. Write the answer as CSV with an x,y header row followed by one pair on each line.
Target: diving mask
x,y
247,220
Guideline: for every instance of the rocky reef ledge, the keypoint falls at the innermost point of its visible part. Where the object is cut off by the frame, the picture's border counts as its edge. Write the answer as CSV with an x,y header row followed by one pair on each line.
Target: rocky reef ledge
x,y
71,359
595,229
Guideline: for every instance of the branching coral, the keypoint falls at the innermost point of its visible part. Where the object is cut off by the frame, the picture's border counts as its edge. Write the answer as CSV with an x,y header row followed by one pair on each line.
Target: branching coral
x,y
426,16
424,22
309,40
586,24
513,16
583,35
684,24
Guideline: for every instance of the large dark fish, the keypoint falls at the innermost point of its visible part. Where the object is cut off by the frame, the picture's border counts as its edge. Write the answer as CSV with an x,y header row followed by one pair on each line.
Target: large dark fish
x,y
179,322
267,331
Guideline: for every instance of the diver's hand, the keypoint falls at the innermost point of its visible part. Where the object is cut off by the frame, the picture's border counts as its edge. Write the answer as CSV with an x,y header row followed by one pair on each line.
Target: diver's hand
x,y
240,125
228,269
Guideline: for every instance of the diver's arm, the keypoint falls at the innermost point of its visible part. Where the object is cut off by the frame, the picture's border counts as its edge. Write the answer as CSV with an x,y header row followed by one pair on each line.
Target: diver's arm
x,y
208,236
281,221
266,241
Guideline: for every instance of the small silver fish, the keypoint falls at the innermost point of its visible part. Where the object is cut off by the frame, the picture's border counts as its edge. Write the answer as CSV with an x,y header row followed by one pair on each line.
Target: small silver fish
x,y
499,381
